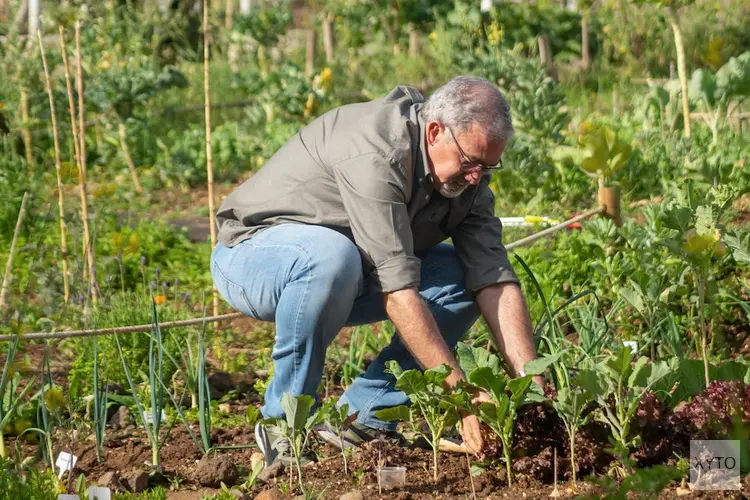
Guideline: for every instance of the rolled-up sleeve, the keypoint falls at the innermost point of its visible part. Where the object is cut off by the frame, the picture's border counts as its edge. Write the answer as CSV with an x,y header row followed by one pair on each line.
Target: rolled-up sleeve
x,y
373,193
479,244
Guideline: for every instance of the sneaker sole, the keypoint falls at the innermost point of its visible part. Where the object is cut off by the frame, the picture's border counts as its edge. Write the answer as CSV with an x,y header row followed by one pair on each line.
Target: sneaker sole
x,y
263,446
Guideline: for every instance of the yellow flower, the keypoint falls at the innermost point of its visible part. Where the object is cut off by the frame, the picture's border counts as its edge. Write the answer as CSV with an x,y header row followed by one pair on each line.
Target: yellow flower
x,y
326,75
433,36
160,299
696,243
54,398
2,106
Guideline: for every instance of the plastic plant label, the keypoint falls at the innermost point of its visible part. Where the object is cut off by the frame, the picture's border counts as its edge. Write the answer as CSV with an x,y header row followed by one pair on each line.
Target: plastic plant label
x,y
65,462
68,497
99,493
632,344
149,416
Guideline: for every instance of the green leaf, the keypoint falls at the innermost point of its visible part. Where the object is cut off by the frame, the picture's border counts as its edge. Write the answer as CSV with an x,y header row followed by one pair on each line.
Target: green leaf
x,y
436,376
395,413
678,219
470,358
739,244
486,379
411,382
538,366
704,221
519,387
703,87
619,362
634,296
592,382
297,409
734,76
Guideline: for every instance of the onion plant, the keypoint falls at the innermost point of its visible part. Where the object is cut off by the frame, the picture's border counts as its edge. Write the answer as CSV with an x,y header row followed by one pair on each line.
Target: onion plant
x,y
100,406
9,385
153,425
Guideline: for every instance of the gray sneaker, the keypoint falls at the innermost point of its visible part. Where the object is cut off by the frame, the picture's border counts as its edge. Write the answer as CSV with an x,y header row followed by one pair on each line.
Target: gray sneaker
x,y
356,435
275,446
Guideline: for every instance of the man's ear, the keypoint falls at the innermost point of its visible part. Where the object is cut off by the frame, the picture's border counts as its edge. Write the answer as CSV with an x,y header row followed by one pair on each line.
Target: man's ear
x,y
433,129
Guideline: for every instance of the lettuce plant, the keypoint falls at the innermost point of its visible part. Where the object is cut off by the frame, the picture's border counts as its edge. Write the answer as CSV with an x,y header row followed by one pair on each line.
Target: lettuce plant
x,y
430,400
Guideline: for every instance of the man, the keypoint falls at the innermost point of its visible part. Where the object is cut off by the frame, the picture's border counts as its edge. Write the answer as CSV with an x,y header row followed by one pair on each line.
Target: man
x,y
343,226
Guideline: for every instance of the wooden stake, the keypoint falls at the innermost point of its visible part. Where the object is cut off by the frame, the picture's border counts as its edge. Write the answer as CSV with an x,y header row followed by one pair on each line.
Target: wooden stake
x,y
26,131
329,37
7,277
129,159
77,148
229,19
209,155
60,195
4,9
312,38
674,20
414,48
88,244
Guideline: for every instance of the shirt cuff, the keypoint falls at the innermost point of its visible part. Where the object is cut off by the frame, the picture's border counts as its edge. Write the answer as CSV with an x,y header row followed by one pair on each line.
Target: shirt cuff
x,y
480,278
397,273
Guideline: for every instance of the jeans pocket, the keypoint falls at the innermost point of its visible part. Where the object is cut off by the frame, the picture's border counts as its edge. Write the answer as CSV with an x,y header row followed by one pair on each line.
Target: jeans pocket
x,y
233,293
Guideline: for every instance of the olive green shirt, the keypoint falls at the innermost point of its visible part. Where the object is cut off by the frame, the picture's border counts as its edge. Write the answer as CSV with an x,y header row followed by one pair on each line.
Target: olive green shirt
x,y
362,170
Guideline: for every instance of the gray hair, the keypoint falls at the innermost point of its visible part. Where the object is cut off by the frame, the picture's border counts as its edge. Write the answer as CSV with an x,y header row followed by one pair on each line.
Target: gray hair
x,y
467,100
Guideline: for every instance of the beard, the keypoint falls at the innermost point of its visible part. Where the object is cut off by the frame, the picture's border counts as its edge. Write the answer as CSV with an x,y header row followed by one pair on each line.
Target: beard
x,y
453,188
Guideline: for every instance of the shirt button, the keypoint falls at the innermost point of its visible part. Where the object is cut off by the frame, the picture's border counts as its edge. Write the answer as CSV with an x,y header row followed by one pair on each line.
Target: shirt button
x,y
427,197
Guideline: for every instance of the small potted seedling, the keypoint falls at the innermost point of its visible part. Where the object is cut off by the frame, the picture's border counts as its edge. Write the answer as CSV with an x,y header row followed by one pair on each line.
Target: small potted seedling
x,y
600,154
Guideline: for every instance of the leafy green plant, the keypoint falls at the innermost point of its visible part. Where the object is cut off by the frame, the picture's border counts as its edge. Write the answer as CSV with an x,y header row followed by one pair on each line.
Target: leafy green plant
x,y
430,400
338,417
717,92
500,414
297,425
696,237
617,385
99,406
600,153
570,404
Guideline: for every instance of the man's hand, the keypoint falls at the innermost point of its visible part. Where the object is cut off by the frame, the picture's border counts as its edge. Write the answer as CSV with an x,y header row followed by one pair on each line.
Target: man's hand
x,y
471,433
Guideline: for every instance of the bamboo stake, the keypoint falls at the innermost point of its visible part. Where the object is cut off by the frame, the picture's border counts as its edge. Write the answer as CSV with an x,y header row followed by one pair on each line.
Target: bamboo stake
x,y
76,146
26,130
674,20
60,195
88,245
311,41
209,155
9,266
329,37
229,19
129,159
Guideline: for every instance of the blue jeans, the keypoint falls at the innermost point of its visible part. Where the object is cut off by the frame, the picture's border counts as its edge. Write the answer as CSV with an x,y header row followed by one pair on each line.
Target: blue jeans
x,y
309,281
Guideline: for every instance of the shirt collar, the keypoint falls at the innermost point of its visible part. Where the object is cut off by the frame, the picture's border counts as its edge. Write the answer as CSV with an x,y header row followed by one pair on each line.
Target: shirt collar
x,y
422,166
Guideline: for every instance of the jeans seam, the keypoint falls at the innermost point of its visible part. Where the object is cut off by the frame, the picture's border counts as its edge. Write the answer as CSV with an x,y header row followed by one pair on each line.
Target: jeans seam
x,y
369,403
309,277
241,289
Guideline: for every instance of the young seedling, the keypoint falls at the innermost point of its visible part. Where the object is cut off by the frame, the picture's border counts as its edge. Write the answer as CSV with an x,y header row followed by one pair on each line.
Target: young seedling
x,y
9,383
507,396
430,400
616,379
297,425
338,417
570,404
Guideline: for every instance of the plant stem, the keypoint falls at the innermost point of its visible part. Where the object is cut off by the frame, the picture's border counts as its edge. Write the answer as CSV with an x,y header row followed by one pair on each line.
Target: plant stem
x,y
702,320
3,452
572,437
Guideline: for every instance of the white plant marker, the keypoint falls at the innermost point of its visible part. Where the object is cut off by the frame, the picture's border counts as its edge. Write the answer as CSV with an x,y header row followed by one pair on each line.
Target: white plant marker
x,y
65,462
68,497
149,416
632,344
99,493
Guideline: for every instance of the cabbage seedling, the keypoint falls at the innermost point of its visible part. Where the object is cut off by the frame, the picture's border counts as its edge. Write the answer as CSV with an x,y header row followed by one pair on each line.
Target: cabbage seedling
x,y
430,400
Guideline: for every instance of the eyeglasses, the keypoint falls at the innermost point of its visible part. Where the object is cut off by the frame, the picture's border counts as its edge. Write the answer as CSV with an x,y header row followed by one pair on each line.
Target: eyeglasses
x,y
470,165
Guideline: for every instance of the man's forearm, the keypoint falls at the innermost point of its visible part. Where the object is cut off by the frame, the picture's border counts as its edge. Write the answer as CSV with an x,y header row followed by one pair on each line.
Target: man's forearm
x,y
419,331
507,316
